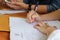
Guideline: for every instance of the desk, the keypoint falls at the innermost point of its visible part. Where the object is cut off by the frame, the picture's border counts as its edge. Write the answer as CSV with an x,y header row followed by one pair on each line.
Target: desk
x,y
4,20
4,35
4,24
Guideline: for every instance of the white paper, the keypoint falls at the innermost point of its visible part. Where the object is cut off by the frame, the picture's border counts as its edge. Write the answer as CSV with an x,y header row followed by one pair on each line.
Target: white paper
x,y
21,30
7,1
53,23
11,11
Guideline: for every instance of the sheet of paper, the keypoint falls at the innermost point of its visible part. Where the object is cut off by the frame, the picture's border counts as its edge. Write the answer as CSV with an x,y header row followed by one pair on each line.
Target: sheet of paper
x,y
21,30
53,23
11,11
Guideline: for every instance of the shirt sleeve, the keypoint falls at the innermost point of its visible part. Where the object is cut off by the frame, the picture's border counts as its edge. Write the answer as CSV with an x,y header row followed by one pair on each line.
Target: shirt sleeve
x,y
55,5
54,35
26,1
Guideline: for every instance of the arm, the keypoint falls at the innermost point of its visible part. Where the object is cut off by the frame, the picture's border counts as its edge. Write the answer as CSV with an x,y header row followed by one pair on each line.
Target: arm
x,y
31,17
2,2
54,5
51,16
40,9
54,35
51,31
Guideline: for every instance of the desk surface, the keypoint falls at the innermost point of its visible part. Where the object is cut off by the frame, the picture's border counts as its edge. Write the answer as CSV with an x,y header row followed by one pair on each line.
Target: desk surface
x,y
4,20
4,23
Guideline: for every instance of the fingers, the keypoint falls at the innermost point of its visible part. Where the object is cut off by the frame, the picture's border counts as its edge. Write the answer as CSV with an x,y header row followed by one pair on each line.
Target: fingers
x,y
44,28
29,17
44,24
55,27
37,27
32,16
41,29
13,0
40,24
30,20
16,3
13,6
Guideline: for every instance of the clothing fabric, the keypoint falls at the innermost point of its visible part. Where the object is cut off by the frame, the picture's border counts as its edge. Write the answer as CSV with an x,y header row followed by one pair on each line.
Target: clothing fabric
x,y
55,35
52,5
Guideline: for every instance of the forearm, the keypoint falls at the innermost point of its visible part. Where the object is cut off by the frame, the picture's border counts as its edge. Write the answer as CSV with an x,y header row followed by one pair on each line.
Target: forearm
x,y
40,9
51,16
2,2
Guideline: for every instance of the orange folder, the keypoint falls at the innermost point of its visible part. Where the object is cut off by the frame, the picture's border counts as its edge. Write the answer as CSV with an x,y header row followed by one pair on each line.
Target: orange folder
x,y
4,23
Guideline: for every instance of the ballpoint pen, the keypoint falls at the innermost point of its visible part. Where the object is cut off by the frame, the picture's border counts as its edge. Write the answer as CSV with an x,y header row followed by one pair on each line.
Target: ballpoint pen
x,y
35,9
36,5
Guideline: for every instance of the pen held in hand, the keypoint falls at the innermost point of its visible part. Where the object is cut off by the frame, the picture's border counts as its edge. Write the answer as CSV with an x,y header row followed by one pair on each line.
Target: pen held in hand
x,y
36,6
35,9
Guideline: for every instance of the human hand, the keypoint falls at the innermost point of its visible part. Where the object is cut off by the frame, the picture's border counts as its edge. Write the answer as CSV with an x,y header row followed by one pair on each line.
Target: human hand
x,y
32,16
2,1
17,5
14,6
45,28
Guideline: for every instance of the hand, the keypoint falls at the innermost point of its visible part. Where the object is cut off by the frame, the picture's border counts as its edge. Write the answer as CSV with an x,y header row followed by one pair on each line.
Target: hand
x,y
45,28
13,6
2,1
23,5
17,5
32,16
16,1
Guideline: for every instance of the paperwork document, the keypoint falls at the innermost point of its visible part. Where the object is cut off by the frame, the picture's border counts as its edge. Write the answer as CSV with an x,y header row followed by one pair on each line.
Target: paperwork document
x,y
21,30
11,11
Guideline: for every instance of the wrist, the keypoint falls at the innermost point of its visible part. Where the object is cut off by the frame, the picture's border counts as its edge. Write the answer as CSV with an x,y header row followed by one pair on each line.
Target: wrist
x,y
25,6
32,7
50,30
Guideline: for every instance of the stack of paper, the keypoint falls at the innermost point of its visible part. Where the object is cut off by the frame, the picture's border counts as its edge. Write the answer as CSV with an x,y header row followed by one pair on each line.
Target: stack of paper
x,y
21,30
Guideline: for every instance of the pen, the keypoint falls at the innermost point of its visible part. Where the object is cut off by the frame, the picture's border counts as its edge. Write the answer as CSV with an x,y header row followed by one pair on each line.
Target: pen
x,y
35,9
36,5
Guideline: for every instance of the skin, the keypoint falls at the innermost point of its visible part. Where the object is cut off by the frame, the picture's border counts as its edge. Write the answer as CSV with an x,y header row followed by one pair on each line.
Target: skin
x,y
45,28
2,2
13,6
30,14
41,8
